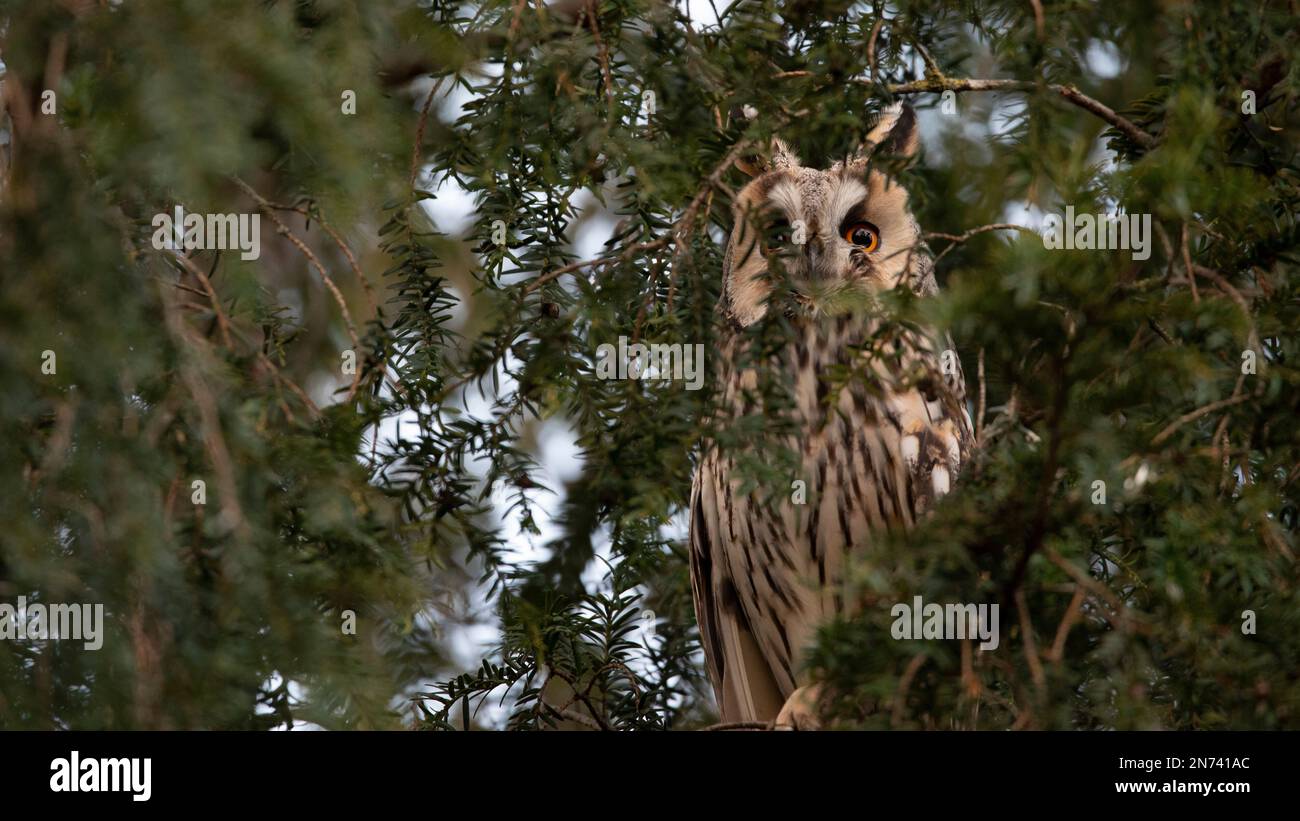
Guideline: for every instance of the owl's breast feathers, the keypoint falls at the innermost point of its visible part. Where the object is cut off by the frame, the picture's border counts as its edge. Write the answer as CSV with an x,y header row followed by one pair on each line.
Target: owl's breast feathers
x,y
881,431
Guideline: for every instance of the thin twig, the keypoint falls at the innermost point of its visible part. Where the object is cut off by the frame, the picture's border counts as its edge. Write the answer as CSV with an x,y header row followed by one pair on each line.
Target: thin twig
x,y
338,240
1031,647
284,231
1126,618
1194,415
1220,440
602,52
958,239
1187,263
931,67
223,323
935,85
681,228
598,261
1039,22
1071,618
209,419
737,725
424,116
871,45
1236,296
182,286
905,684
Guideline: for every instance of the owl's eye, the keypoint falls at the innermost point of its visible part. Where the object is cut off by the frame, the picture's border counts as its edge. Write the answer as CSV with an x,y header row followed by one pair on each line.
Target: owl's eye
x,y
778,234
864,235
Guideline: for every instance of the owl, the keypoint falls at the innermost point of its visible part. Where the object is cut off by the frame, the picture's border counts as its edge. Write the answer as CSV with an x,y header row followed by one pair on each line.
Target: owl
x,y
873,449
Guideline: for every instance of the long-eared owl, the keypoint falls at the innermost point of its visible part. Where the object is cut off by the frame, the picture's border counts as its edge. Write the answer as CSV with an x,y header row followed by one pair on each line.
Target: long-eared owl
x,y
874,448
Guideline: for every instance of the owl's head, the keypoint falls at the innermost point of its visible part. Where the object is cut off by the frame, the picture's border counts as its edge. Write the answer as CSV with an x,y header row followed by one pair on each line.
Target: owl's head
x,y
848,223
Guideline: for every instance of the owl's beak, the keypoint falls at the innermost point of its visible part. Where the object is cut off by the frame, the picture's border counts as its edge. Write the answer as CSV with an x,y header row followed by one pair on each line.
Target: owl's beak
x,y
814,253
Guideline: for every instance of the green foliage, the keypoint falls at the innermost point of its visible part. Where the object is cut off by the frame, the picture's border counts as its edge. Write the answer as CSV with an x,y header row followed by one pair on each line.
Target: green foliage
x,y
410,492
225,614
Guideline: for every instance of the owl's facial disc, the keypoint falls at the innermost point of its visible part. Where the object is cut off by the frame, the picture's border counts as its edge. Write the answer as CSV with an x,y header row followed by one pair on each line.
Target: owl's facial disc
x,y
812,230
847,224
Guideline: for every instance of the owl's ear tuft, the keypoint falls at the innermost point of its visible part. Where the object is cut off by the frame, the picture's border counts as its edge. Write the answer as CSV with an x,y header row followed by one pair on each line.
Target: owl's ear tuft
x,y
783,158
776,156
894,133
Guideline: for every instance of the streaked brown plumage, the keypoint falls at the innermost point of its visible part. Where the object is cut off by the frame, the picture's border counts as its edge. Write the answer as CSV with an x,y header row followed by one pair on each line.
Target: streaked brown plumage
x,y
874,453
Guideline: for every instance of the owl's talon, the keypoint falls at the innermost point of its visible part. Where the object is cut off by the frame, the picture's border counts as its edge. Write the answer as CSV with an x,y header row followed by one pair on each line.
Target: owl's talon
x,y
800,711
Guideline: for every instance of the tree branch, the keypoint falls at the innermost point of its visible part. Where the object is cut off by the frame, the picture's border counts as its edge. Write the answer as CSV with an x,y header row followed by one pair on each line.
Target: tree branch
x,y
1196,414
1072,95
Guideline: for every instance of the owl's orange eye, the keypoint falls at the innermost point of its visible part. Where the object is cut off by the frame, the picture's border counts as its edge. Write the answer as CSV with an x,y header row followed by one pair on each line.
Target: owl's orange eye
x,y
864,235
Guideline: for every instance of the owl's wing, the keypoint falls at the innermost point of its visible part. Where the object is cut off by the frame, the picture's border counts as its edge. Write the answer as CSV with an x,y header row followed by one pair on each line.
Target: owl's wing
x,y
742,680
936,429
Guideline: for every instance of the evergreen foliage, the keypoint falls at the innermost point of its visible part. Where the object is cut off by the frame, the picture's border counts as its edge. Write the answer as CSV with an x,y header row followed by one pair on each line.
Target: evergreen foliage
x,y
410,487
